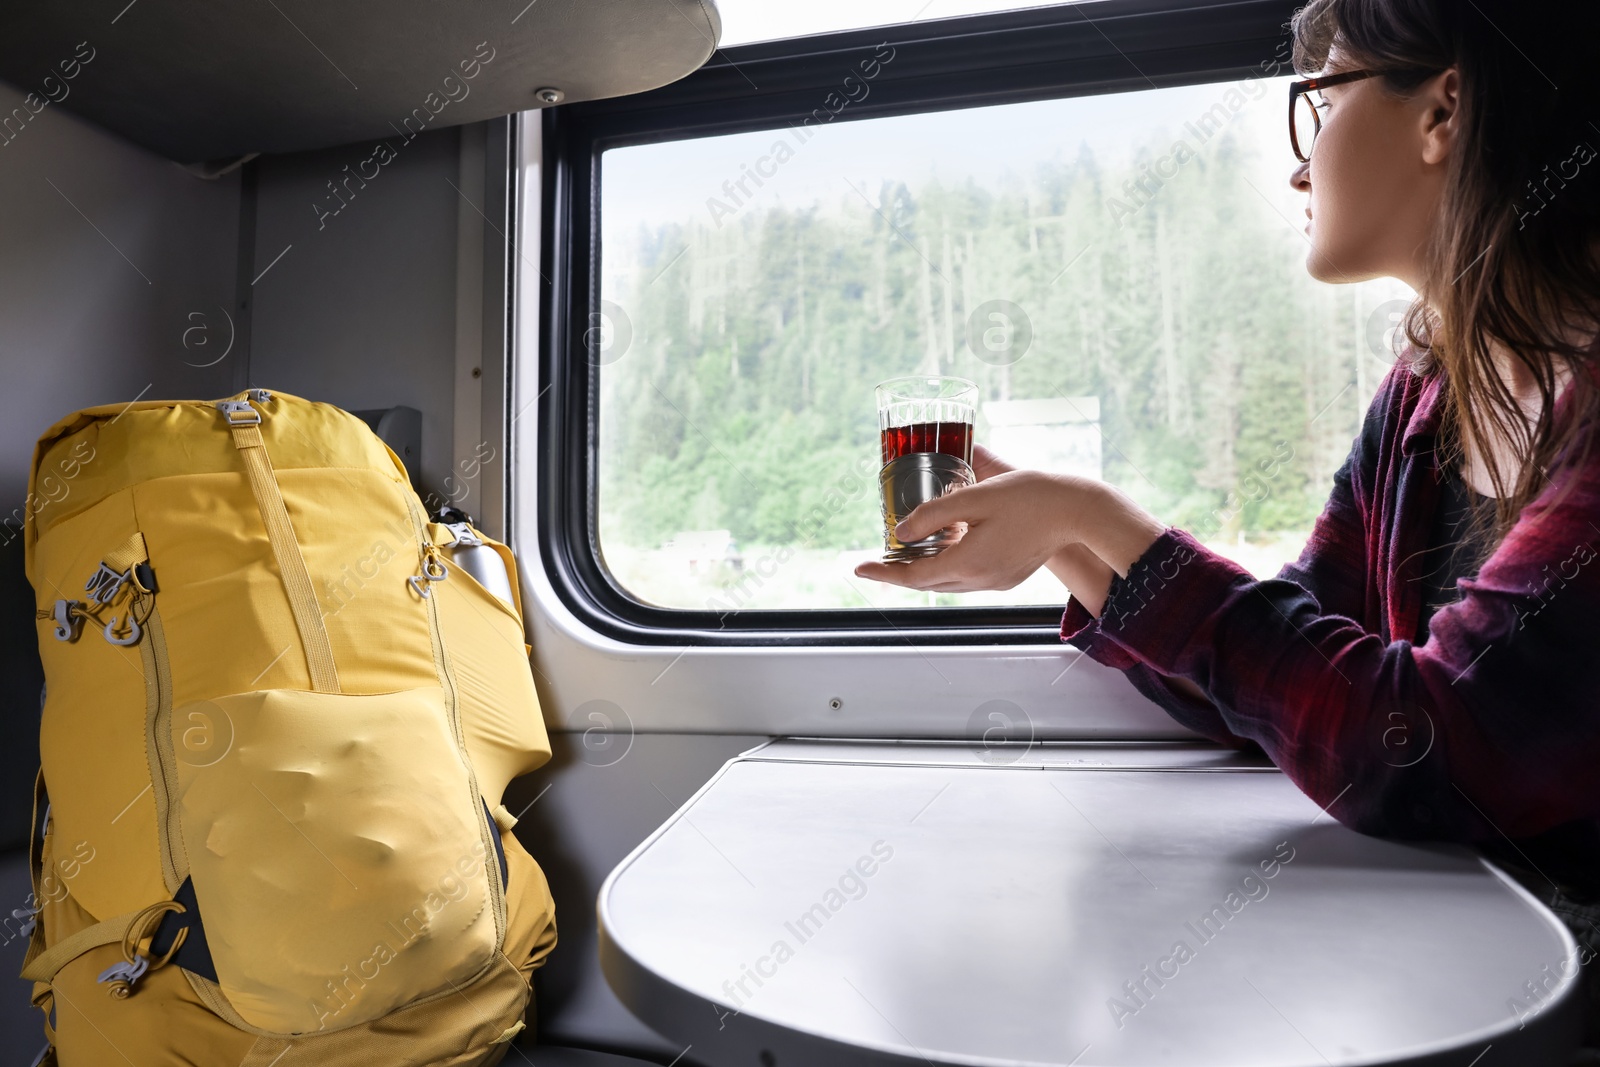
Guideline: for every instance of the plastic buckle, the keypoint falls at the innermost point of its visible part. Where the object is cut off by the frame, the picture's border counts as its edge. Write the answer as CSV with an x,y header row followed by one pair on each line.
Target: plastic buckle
x,y
260,396
239,412
464,537
123,975
104,584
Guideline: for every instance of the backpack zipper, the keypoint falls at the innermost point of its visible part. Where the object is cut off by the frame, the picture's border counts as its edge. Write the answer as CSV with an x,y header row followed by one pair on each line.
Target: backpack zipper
x,y
430,554
163,757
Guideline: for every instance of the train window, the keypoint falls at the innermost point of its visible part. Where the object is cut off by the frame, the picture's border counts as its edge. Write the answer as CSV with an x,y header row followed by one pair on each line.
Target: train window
x,y
747,21
1120,274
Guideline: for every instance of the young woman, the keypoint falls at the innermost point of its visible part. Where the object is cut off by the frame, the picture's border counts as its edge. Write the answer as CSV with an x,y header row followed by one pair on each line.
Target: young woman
x,y
1428,667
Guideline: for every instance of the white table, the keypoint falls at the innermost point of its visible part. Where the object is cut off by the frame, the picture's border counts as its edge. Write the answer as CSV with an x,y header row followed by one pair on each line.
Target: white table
x,y
842,903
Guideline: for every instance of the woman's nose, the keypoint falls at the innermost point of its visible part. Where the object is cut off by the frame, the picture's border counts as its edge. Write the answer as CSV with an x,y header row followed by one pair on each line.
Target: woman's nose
x,y
1300,178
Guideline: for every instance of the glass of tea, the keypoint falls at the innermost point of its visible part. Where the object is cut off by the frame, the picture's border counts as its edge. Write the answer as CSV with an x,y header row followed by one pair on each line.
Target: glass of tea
x,y
925,422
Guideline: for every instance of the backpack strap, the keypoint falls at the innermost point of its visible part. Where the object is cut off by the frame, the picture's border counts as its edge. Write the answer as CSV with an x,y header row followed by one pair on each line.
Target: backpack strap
x,y
132,553
43,996
244,421
36,868
43,966
129,931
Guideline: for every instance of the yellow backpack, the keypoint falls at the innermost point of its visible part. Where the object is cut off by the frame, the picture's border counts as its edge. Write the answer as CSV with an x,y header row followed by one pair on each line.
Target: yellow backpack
x,y
280,716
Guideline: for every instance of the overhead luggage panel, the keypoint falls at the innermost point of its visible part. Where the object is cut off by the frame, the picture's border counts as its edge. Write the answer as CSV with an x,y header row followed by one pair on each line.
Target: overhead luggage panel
x,y
196,80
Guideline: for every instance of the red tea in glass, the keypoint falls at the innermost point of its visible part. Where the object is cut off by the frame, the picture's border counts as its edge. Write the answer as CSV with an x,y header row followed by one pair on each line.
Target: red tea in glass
x,y
927,413
951,438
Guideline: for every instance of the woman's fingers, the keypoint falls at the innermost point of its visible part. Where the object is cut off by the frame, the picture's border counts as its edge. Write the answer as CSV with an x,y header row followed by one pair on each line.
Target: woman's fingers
x,y
948,572
958,505
985,464
1008,527
918,574
888,573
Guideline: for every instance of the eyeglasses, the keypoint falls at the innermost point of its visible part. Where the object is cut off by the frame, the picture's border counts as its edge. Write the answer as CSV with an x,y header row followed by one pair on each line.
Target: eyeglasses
x,y
1305,114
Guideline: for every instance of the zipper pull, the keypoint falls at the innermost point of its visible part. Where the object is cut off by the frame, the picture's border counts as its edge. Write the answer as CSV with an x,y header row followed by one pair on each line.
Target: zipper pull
x,y
434,569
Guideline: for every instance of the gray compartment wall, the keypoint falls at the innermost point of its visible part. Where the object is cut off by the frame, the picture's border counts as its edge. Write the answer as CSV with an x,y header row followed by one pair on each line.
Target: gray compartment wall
x,y
358,308
119,279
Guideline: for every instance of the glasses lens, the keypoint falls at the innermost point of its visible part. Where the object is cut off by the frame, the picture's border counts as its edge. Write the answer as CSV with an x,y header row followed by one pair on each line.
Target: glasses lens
x,y
1305,123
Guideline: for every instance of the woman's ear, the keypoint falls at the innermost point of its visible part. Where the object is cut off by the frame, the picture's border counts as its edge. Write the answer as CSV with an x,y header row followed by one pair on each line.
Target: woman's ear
x,y
1439,104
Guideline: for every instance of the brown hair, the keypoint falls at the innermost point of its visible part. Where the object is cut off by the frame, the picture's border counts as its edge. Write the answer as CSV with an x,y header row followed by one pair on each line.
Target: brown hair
x,y
1514,255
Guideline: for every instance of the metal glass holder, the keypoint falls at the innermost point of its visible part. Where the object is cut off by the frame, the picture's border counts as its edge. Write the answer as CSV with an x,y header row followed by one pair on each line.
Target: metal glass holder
x,y
910,481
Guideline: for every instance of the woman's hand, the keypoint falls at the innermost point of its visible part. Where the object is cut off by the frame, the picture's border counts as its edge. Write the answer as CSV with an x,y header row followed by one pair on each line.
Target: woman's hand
x,y
1018,521
1086,575
985,464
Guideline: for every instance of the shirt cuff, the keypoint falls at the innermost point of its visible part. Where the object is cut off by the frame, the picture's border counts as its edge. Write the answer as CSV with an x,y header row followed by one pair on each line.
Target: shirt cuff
x,y
1170,595
1082,631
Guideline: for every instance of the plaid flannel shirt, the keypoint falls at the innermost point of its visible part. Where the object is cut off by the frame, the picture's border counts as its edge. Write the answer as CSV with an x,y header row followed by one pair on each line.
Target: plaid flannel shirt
x,y
1484,730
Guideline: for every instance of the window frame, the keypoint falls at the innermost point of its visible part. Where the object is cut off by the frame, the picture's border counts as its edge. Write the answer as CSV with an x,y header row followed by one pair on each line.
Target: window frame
x,y
1094,47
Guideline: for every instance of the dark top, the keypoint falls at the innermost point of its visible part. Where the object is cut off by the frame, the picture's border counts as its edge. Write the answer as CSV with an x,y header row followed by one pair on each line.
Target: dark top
x,y
1450,554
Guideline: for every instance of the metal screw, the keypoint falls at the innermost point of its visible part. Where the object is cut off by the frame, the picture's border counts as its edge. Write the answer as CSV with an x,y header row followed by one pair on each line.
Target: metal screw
x,y
477,372
549,96
835,703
